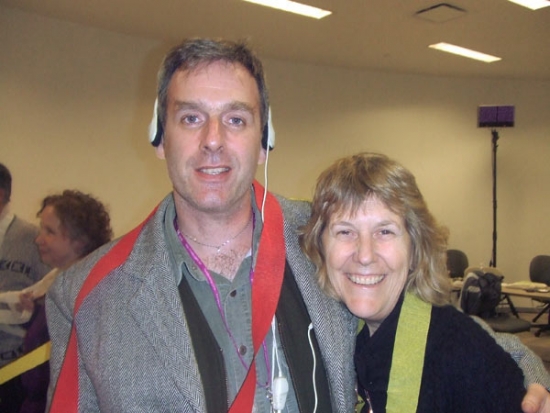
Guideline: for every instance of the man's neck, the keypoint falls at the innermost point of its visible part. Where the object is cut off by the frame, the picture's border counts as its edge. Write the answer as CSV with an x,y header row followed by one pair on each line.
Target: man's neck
x,y
213,227
221,240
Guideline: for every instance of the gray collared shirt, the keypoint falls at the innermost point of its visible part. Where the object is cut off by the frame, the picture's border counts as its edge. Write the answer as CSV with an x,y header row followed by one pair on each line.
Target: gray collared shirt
x,y
235,297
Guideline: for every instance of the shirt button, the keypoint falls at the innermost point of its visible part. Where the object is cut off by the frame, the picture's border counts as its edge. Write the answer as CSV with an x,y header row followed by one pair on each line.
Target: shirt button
x,y
242,350
233,293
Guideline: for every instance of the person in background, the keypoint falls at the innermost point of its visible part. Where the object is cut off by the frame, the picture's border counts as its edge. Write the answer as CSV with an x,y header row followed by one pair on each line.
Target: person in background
x,y
379,250
209,305
72,225
20,267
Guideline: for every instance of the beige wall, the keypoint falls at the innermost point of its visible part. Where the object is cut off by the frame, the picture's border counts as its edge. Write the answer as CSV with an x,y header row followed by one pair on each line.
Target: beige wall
x,y
75,103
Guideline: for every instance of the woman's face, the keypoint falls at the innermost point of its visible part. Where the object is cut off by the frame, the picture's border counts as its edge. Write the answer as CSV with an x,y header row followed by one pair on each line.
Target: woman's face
x,y
56,248
368,256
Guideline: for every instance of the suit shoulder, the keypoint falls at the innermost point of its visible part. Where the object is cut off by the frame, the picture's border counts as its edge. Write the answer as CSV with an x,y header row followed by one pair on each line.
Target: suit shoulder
x,y
296,212
23,227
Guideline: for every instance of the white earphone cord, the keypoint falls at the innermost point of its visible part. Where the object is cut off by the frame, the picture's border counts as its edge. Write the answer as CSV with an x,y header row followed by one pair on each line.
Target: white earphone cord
x,y
314,365
265,182
279,384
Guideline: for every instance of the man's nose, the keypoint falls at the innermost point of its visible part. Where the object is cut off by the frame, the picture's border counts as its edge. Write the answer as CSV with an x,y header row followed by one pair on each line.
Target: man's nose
x,y
214,135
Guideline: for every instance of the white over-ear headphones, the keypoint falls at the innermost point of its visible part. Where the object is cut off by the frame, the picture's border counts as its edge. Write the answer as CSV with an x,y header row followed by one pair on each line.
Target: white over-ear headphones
x,y
156,130
269,133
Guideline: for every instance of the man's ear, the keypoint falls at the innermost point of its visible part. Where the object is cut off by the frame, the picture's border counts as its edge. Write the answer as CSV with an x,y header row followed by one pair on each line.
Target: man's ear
x,y
159,150
262,157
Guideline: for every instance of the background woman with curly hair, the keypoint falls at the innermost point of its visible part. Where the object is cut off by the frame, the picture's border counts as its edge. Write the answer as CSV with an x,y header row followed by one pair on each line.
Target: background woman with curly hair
x,y
72,224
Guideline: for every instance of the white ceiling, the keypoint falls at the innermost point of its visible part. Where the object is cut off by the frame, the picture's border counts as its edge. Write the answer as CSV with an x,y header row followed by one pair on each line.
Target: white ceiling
x,y
361,34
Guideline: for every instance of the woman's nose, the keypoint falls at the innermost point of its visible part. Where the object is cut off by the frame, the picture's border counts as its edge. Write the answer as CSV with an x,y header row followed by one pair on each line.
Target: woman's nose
x,y
365,249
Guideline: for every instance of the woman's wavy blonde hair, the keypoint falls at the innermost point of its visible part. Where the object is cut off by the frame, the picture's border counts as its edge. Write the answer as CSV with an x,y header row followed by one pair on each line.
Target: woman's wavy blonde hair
x,y
345,185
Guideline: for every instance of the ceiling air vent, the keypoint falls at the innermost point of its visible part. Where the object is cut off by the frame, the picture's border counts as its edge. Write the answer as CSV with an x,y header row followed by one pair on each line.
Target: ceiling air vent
x,y
441,13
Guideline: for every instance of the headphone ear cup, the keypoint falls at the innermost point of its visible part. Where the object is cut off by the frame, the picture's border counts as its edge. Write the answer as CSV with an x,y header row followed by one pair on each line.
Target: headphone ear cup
x,y
155,127
158,136
268,134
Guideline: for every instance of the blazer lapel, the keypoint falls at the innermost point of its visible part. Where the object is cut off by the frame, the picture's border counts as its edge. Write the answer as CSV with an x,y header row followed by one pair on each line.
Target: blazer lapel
x,y
156,308
334,326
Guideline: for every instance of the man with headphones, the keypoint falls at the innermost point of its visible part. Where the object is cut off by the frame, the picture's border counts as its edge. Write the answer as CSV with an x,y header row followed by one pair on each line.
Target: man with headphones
x,y
208,305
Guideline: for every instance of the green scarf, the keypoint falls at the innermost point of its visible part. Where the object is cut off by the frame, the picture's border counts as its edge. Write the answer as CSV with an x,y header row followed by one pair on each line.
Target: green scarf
x,y
408,355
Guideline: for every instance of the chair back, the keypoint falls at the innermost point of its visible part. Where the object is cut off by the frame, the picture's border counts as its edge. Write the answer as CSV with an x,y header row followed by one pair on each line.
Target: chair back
x,y
539,269
457,262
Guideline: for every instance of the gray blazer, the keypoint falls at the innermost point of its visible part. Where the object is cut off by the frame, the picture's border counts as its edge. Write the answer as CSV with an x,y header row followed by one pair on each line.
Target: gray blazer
x,y
135,350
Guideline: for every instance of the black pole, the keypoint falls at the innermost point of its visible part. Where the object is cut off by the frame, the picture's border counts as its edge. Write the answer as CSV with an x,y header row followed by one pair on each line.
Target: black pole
x,y
494,133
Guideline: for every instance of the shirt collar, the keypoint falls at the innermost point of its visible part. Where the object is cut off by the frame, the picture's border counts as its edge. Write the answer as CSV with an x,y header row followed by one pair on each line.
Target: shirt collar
x,y
178,253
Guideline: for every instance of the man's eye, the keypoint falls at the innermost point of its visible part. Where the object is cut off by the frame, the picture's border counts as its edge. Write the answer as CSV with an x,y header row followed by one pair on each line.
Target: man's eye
x,y
190,119
236,121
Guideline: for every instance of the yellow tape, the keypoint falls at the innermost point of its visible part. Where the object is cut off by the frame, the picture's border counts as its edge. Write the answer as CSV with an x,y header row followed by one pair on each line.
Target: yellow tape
x,y
25,363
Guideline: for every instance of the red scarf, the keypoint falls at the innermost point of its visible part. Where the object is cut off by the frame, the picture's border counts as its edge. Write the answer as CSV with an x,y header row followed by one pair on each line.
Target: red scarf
x,y
266,288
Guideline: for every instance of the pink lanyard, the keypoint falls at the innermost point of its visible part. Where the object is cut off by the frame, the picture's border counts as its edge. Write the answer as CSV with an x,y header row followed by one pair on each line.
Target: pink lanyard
x,y
211,283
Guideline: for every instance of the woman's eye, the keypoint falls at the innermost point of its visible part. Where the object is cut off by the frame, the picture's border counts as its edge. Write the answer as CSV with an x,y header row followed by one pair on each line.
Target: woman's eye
x,y
384,233
344,234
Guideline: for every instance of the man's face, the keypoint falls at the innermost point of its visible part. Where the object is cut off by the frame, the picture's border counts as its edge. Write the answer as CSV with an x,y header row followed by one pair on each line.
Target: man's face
x,y
212,137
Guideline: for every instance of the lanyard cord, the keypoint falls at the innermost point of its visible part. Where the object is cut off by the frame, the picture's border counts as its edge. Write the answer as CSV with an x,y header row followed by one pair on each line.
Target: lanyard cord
x,y
217,297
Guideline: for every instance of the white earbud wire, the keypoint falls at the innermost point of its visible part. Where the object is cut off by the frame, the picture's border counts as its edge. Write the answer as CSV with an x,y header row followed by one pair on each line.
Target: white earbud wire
x,y
314,365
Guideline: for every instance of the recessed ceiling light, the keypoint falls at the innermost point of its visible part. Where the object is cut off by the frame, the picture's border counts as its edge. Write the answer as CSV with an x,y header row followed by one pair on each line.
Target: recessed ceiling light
x,y
461,51
293,7
532,4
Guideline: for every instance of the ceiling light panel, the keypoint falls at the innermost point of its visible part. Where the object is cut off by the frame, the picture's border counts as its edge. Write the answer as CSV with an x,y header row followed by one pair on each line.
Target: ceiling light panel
x,y
532,4
293,7
461,51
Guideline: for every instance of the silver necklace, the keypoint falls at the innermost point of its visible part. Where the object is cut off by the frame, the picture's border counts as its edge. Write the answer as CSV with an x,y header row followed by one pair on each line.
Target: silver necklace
x,y
223,244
